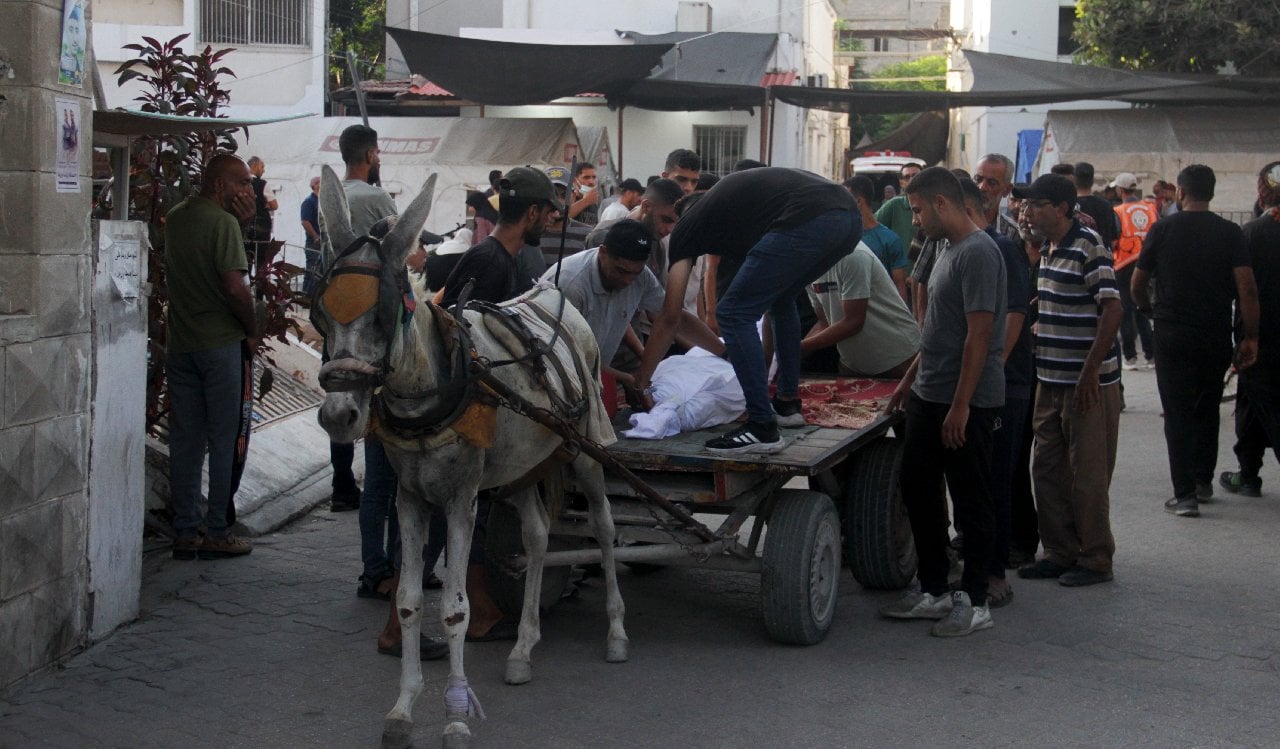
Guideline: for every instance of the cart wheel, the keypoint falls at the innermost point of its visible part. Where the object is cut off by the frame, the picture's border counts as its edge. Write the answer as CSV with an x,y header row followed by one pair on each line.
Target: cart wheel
x,y
504,540
881,549
801,567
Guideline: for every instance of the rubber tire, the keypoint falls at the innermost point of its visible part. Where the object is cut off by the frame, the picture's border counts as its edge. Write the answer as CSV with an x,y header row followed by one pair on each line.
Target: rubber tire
x,y
801,578
880,546
503,539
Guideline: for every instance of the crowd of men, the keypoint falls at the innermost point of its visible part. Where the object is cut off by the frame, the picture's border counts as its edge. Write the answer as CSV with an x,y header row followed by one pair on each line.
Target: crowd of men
x,y
996,306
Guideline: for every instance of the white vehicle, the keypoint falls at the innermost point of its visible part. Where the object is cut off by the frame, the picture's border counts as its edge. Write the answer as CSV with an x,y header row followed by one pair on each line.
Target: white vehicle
x,y
883,167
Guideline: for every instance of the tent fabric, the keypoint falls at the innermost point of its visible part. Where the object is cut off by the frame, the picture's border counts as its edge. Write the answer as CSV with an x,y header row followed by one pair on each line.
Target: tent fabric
x,y
595,149
1156,143
1028,149
130,122
924,135
510,73
460,150
702,72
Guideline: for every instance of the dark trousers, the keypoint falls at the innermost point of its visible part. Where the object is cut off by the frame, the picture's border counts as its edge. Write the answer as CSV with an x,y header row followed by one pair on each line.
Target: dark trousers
x,y
968,475
344,479
1006,446
1024,521
1189,374
1257,416
1134,326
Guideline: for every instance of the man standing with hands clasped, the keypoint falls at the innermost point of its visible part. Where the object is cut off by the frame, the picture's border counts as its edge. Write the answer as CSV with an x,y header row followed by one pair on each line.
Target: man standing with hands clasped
x,y
951,394
211,321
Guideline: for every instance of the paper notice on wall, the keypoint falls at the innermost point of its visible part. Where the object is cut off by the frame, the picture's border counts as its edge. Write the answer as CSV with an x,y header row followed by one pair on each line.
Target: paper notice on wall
x,y
120,247
66,168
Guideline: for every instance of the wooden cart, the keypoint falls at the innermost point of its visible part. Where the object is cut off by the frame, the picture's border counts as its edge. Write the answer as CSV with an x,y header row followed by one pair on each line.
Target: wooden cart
x,y
851,509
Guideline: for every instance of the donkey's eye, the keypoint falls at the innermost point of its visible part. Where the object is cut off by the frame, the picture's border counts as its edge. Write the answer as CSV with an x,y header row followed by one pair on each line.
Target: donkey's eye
x,y
350,295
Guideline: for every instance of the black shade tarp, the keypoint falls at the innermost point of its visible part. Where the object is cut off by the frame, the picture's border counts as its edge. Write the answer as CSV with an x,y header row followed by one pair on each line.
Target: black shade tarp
x,y
508,73
702,72
924,135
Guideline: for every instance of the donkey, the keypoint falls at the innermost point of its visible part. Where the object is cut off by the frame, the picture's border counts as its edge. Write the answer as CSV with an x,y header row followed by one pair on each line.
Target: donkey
x,y
379,338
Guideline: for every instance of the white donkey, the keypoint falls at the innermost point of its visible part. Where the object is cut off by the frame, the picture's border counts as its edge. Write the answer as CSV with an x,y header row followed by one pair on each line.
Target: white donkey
x,y
413,360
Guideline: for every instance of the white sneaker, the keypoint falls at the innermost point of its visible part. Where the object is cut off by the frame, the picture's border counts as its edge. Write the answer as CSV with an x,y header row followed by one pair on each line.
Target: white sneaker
x,y
1132,364
1150,363
964,619
916,605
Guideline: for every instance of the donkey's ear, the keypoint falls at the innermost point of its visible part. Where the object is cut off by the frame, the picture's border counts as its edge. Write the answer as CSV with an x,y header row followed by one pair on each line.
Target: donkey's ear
x,y
334,209
404,237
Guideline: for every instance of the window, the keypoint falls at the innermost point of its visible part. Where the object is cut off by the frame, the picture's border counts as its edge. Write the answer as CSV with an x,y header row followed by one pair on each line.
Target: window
x,y
1066,27
880,44
720,146
278,22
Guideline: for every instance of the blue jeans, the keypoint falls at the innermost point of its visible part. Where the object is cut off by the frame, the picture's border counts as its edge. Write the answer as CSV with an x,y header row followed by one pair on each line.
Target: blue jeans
x,y
206,389
776,271
379,524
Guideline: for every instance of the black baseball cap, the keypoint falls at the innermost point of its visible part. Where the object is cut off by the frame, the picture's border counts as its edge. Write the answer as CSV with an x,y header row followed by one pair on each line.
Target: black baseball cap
x,y
1052,187
530,184
629,240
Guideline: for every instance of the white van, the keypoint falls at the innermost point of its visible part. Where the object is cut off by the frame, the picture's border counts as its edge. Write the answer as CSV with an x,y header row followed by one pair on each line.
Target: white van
x,y
883,167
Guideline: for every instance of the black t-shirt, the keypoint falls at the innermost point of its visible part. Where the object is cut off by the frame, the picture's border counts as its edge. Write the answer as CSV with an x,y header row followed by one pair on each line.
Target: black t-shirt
x,y
494,270
261,214
1103,214
1191,256
1019,368
744,206
1262,238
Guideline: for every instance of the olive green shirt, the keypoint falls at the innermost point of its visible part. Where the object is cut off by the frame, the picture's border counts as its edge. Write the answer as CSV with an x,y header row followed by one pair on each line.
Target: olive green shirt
x,y
201,242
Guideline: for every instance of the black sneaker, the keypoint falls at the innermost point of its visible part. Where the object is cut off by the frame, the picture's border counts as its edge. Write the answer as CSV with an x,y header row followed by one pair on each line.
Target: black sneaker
x,y
788,412
1184,507
344,502
748,438
1237,483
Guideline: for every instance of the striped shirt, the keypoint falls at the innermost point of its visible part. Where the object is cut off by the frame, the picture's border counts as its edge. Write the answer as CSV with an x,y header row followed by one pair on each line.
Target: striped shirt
x,y
1075,277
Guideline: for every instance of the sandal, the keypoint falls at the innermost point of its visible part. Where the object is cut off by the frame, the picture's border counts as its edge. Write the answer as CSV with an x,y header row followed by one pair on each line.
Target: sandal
x,y
429,649
432,582
503,630
374,591
999,593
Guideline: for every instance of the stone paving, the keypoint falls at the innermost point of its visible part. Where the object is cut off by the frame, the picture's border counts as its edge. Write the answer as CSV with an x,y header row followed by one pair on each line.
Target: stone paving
x,y
275,650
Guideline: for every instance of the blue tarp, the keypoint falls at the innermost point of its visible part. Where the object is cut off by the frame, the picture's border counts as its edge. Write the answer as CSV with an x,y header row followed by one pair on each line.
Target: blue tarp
x,y
1028,149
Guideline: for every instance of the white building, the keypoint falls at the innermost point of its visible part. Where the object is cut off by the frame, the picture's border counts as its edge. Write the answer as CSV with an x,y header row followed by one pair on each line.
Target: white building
x,y
812,140
279,57
1036,29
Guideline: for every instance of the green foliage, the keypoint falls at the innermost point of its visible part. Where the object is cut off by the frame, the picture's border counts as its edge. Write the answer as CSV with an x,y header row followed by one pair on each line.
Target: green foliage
x,y
165,170
1188,36
876,126
357,25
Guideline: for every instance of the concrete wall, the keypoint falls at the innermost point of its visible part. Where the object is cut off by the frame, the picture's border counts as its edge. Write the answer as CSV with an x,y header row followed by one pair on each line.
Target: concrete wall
x,y
45,362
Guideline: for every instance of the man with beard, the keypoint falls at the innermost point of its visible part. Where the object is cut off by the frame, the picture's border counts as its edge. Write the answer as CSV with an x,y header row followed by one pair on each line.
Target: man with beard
x,y
526,205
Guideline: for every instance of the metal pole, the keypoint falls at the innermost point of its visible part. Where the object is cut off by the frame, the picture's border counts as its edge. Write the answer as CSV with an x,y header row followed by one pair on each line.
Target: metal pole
x,y
773,112
621,172
355,81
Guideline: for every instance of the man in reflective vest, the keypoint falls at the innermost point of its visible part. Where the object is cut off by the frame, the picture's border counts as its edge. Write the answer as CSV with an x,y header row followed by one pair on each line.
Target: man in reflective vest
x,y
1136,219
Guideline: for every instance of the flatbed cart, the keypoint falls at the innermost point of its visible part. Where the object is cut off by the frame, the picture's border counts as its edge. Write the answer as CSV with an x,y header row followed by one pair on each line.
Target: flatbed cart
x,y
852,505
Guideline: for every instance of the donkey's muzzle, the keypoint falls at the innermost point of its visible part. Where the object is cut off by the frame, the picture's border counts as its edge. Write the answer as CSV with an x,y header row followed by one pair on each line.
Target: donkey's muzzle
x,y
339,375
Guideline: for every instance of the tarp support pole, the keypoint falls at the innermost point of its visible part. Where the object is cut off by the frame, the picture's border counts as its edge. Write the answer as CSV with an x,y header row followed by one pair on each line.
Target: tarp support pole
x,y
764,124
621,172
773,111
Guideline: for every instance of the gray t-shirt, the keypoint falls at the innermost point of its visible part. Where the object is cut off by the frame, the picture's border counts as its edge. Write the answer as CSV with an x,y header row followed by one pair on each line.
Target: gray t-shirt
x,y
968,276
889,336
608,312
368,204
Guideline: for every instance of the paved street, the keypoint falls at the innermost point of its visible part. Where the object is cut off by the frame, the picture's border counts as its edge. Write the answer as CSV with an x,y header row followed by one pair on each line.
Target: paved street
x,y
275,650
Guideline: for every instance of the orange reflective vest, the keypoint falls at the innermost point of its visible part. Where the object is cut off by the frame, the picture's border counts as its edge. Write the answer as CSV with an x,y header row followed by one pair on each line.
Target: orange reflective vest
x,y
1136,219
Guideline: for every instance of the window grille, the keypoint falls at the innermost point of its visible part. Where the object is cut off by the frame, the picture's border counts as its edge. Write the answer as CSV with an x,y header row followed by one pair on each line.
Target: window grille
x,y
720,146
273,22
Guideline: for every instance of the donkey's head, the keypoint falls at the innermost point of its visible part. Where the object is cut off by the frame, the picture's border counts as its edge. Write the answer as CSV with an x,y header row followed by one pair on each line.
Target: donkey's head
x,y
359,303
